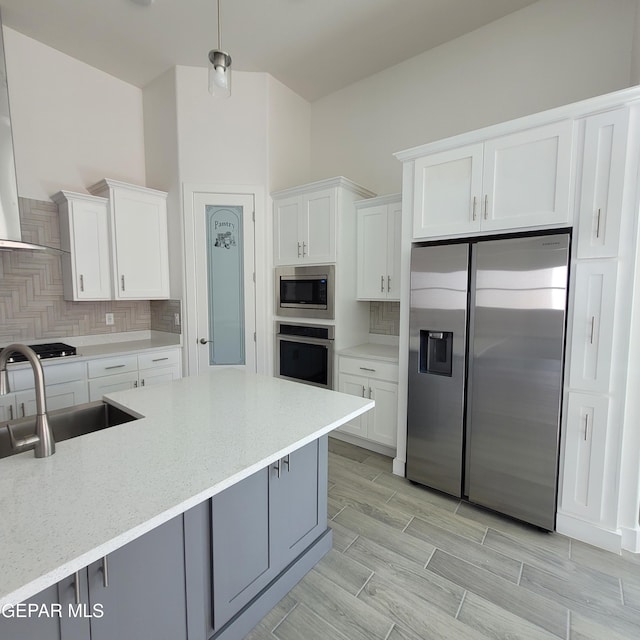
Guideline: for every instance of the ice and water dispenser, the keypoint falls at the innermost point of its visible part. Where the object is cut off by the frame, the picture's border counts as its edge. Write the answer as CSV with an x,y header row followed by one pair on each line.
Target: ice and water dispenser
x,y
436,352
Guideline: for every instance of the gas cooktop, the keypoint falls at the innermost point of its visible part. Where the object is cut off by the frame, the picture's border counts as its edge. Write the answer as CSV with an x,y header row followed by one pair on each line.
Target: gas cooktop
x,y
48,350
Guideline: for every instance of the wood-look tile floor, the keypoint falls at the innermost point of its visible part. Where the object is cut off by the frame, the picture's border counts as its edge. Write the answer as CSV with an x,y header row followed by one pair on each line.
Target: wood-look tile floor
x,y
410,564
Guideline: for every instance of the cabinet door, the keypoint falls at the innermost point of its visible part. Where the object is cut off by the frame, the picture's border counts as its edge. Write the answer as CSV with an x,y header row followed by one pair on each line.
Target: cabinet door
x,y
383,419
447,192
140,230
527,178
59,396
593,317
297,518
584,457
318,226
354,386
242,562
33,627
8,408
372,268
605,146
98,387
145,596
90,261
287,215
158,375
394,237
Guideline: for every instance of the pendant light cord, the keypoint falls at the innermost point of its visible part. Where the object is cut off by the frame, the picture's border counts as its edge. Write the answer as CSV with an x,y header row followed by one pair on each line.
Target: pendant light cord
x,y
219,39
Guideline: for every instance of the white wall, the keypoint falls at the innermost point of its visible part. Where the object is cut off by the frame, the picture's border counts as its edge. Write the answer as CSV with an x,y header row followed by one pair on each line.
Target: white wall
x,y
72,124
289,137
222,141
550,53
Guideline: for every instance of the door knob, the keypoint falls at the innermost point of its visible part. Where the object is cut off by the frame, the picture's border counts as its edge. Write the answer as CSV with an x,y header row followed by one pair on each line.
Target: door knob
x,y
205,341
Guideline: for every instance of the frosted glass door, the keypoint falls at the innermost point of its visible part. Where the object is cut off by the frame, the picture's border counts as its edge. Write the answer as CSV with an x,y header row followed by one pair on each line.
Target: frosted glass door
x,y
223,279
225,283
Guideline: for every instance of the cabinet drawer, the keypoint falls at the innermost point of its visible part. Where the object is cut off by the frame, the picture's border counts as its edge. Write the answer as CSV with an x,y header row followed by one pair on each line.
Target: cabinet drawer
x,y
112,366
158,359
369,368
22,379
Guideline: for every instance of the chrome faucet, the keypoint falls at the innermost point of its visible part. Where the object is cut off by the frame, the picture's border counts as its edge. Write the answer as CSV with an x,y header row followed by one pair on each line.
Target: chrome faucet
x,y
42,441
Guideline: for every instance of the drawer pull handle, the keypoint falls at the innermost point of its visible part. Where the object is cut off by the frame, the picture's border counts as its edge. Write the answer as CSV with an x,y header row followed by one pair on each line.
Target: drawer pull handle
x,y
159,359
369,393
486,207
287,460
122,281
81,282
474,207
388,284
105,572
598,224
304,249
381,284
299,250
277,466
10,412
76,587
367,369
22,409
363,390
115,366
593,323
586,426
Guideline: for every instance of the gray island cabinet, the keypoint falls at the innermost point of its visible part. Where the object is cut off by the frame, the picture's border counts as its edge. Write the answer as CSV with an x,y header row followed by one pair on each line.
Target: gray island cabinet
x,y
189,523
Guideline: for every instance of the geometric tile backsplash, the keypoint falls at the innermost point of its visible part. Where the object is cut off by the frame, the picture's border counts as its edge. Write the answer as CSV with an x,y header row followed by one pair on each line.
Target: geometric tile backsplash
x,y
31,302
384,318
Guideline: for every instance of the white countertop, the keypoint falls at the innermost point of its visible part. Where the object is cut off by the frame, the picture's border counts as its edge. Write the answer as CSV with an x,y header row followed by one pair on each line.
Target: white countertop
x,y
372,351
157,341
199,436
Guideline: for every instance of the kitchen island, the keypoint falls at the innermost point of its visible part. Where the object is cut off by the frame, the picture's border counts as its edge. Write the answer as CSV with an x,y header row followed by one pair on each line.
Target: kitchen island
x,y
197,438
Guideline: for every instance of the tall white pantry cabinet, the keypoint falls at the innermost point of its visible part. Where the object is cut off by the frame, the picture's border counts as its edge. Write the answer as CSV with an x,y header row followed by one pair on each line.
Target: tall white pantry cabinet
x,y
573,167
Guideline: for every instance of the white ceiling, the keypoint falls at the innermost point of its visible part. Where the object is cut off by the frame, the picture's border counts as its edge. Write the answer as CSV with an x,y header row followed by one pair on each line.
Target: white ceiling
x,y
315,47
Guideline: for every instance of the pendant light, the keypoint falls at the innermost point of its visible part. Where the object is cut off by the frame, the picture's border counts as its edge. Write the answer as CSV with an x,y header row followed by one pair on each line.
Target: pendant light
x,y
219,68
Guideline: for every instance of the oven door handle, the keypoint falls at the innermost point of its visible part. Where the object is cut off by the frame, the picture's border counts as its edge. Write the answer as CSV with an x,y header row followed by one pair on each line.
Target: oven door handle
x,y
326,342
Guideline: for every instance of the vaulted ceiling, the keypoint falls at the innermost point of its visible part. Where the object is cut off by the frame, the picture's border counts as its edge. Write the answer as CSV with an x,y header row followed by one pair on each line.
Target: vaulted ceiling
x,y
315,47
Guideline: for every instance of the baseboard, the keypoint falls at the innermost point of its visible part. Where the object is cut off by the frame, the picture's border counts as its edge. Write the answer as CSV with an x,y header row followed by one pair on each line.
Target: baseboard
x,y
631,539
254,611
589,533
399,467
364,443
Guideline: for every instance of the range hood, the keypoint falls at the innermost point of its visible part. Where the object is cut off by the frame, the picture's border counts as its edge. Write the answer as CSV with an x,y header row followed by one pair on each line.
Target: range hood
x,y
10,233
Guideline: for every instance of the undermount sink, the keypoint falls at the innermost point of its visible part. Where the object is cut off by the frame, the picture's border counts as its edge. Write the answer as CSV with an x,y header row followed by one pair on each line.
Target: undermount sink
x,y
66,423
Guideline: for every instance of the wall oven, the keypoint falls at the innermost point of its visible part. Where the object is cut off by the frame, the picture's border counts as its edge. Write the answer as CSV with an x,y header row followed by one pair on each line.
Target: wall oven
x,y
305,292
304,353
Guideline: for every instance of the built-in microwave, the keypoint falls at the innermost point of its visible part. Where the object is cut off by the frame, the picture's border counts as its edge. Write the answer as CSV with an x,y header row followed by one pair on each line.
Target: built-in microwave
x,y
305,292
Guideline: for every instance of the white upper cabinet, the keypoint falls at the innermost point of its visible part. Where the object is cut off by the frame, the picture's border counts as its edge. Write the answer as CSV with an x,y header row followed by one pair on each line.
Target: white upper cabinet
x,y
600,207
309,221
84,233
448,188
378,269
515,181
140,260
305,228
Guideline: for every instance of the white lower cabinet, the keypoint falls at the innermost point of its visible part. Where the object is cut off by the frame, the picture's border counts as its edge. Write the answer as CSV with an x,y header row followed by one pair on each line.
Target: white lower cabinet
x,y
376,380
65,385
107,375
8,407
584,458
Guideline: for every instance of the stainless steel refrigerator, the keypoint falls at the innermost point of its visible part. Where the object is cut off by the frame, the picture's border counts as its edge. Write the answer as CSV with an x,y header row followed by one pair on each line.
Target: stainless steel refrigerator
x,y
486,353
